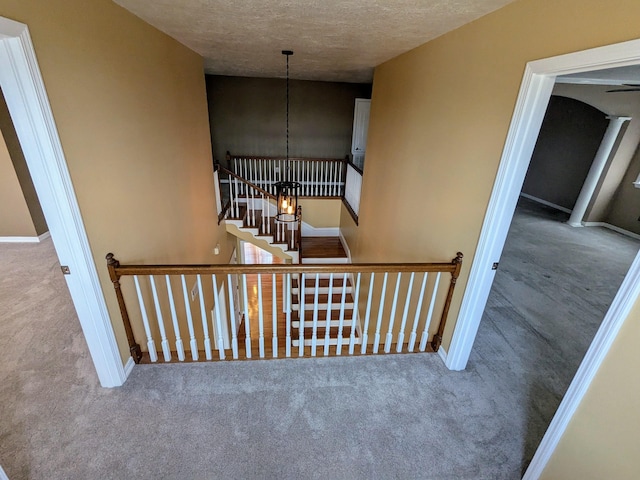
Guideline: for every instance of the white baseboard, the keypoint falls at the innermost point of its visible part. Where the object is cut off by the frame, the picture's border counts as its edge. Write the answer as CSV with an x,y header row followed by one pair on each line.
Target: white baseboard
x,y
128,367
544,202
3,476
309,231
612,227
19,240
443,354
345,245
25,239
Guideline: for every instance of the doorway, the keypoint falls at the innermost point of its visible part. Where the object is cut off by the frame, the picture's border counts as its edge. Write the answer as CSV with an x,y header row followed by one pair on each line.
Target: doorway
x,y
27,101
534,95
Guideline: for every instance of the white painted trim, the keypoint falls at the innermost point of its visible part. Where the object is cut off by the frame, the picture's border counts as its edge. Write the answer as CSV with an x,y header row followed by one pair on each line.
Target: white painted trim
x,y
345,245
619,230
613,321
3,475
37,239
532,100
310,231
19,240
544,202
443,354
30,110
128,367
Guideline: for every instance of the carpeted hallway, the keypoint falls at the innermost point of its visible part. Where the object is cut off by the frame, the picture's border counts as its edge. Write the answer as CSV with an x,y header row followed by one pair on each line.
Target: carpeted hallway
x,y
364,417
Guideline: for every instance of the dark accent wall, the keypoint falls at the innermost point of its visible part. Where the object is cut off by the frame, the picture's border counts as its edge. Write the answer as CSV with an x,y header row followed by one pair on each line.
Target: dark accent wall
x,y
248,116
569,138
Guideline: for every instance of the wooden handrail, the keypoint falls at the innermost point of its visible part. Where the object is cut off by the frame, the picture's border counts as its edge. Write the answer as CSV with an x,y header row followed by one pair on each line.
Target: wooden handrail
x,y
246,182
453,267
294,159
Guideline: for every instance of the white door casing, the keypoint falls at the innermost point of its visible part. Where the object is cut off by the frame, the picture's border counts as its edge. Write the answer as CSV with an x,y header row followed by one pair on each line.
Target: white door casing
x,y
30,111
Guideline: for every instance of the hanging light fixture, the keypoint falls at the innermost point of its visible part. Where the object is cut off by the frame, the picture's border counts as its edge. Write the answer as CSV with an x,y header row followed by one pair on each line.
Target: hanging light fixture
x,y
287,191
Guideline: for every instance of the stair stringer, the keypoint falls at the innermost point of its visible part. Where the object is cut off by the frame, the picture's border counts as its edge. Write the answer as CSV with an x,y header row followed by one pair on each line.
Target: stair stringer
x,y
246,234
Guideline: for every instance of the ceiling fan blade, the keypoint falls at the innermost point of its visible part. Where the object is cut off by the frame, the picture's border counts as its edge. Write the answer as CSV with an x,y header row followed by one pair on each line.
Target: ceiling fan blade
x,y
618,90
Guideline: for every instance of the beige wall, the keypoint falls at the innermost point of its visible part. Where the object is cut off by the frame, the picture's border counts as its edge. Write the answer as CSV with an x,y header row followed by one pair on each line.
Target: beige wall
x,y
15,220
601,441
625,206
469,78
321,213
432,203
130,106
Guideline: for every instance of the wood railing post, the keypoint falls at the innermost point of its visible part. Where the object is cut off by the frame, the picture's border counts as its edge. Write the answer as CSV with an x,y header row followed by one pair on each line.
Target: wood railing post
x,y
437,338
134,348
228,158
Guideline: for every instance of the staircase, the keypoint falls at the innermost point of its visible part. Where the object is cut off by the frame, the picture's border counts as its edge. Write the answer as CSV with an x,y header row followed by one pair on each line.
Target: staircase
x,y
322,304
326,304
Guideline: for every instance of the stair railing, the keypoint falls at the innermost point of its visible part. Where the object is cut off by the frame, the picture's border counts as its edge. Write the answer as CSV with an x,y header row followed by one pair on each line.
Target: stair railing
x,y
236,310
256,208
318,177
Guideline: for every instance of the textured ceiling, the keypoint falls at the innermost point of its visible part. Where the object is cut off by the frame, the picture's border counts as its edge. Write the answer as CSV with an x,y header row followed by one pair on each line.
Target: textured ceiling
x,y
332,40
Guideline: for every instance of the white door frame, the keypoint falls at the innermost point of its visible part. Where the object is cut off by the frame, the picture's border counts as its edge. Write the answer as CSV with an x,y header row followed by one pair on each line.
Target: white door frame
x,y
535,91
30,111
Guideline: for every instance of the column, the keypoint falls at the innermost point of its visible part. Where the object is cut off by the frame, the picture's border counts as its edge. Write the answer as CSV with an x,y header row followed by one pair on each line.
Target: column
x,y
599,162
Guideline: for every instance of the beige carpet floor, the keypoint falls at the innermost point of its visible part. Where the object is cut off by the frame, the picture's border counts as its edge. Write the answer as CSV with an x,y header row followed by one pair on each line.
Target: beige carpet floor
x,y
352,418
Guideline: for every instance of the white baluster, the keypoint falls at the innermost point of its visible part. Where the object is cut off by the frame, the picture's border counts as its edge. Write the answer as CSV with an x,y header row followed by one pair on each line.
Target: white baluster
x,y
288,314
328,316
247,323
354,316
274,312
412,337
205,321
321,183
233,318
425,332
260,318
405,313
237,215
174,319
301,285
315,178
151,346
365,330
193,343
376,340
263,230
332,177
314,331
392,318
166,350
341,322
218,324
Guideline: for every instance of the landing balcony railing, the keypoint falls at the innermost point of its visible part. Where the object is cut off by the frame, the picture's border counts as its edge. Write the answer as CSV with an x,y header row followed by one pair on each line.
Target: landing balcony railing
x,y
318,177
231,312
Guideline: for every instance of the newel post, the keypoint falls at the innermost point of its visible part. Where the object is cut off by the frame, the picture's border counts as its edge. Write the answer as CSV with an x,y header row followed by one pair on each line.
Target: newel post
x,y
228,159
134,348
437,338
